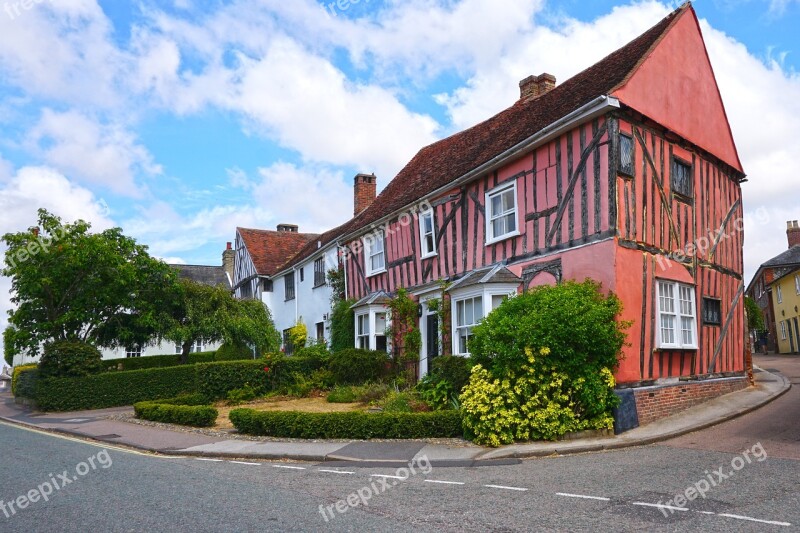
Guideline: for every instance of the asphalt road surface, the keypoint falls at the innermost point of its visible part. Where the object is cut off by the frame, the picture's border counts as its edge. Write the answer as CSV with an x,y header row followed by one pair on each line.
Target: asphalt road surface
x,y
748,471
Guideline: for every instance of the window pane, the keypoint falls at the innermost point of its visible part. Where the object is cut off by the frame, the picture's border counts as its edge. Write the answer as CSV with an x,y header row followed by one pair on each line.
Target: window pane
x,y
498,227
496,205
429,243
508,200
511,222
668,329
380,322
497,299
686,329
469,314
427,223
478,304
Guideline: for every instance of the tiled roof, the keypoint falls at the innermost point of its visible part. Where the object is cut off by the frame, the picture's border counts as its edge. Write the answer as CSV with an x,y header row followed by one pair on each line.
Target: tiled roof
x,y
269,249
207,275
444,161
493,274
788,258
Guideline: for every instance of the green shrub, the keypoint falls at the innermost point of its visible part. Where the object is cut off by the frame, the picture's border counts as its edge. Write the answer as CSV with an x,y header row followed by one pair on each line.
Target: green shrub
x,y
343,326
545,363
350,425
342,394
442,385
234,352
403,402
315,350
187,410
69,359
155,361
112,389
371,392
264,375
23,380
239,396
354,366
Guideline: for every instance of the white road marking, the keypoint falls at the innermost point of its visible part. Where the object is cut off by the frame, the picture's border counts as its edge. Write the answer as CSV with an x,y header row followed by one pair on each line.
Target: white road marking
x,y
209,460
505,487
660,506
705,512
393,477
585,497
443,482
245,463
289,467
335,471
739,517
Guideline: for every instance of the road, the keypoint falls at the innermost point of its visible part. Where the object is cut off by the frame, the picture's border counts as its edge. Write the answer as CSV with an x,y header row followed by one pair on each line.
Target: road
x,y
610,491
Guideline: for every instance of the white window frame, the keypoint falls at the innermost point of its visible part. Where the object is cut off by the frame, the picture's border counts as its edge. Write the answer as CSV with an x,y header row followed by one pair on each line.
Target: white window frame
x,y
783,330
368,241
423,240
486,293
361,334
198,346
368,316
491,238
137,351
467,327
779,293
677,312
797,283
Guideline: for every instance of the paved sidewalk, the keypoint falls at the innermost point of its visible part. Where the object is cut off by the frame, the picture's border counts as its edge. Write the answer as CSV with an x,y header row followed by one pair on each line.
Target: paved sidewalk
x,y
95,425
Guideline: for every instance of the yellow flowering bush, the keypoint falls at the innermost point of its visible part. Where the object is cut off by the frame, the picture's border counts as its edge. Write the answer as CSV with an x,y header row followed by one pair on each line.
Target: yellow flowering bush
x,y
536,403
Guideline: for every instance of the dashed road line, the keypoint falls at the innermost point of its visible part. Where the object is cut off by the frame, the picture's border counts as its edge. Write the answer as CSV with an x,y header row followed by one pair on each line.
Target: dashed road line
x,y
750,519
209,460
335,471
386,475
504,487
660,506
583,496
440,481
245,463
289,467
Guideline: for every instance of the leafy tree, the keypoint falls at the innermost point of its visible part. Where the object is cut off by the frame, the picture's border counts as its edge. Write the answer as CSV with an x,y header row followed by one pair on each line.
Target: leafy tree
x,y
755,317
201,311
69,284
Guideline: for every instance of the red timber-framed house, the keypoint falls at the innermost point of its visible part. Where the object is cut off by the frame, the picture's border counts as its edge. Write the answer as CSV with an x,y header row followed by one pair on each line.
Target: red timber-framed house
x,y
627,173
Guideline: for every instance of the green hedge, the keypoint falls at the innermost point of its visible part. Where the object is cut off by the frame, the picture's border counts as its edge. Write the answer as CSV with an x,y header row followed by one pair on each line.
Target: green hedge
x,y
348,425
234,352
112,389
216,379
155,361
187,410
24,379
354,366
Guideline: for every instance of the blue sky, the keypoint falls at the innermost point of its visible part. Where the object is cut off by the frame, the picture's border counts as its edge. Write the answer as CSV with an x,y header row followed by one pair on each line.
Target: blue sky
x,y
179,120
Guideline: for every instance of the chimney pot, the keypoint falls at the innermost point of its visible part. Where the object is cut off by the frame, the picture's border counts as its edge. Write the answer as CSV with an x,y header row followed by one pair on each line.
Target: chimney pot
x,y
792,233
535,86
365,188
290,228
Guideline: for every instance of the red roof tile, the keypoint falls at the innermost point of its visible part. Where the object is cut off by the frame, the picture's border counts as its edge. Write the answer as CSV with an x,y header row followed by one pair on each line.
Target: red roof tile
x,y
444,161
271,249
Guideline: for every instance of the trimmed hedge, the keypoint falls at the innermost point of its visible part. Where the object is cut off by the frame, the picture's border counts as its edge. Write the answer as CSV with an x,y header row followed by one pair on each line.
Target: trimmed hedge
x,y
216,379
347,425
354,366
112,389
23,380
234,352
187,410
155,361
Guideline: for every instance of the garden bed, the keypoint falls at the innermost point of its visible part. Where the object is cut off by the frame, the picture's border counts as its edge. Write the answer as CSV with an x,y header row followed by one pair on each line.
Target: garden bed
x,y
314,404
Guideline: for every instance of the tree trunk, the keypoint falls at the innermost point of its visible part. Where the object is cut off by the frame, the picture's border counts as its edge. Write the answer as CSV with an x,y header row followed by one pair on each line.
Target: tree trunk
x,y
186,348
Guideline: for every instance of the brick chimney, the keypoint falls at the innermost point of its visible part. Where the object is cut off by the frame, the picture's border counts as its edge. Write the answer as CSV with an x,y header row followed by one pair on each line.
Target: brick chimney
x,y
228,257
792,233
365,186
534,86
291,228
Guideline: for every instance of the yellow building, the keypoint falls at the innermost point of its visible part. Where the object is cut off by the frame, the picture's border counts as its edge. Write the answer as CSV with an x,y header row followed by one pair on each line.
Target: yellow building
x,y
786,302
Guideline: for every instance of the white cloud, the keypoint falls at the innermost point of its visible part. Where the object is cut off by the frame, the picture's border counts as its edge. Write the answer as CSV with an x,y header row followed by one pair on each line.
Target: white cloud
x,y
99,154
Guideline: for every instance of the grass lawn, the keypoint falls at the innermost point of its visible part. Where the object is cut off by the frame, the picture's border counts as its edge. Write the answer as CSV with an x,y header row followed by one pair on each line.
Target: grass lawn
x,y
317,404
